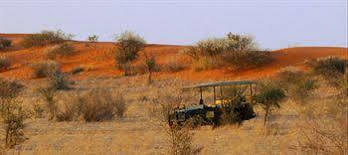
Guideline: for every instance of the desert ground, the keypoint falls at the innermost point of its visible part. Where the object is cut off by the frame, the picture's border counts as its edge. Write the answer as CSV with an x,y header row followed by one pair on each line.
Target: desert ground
x,y
138,132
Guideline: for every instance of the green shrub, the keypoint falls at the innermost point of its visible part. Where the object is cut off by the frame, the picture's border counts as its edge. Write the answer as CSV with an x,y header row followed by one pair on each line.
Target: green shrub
x,y
268,97
150,65
45,68
5,43
45,38
5,63
129,45
65,49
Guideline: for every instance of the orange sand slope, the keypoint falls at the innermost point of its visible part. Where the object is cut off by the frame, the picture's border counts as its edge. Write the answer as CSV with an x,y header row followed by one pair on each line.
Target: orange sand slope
x,y
99,61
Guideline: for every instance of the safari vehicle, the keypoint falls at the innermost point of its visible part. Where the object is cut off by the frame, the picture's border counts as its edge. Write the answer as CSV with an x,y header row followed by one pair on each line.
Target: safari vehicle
x,y
233,97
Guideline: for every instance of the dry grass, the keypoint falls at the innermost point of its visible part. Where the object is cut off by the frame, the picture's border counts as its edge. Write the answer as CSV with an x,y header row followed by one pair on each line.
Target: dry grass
x,y
5,63
140,133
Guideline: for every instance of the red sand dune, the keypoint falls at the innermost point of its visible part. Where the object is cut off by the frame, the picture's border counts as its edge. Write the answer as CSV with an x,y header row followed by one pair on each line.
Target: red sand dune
x,y
100,61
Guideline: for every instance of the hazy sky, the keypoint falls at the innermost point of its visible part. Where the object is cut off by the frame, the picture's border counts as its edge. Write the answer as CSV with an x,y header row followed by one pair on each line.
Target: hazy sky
x,y
273,23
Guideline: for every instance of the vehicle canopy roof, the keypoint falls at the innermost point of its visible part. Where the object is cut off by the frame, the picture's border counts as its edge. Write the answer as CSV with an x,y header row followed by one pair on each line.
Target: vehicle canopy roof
x,y
221,83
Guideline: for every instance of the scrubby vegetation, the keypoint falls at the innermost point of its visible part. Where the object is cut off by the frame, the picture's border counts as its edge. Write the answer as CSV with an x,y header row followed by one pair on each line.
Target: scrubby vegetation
x,y
268,97
5,63
332,68
297,84
101,105
150,65
9,89
63,50
5,43
45,68
12,113
92,39
128,46
180,139
234,51
45,38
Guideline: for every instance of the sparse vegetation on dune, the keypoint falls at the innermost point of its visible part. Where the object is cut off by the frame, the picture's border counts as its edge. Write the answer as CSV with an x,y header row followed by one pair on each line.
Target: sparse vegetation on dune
x,y
45,38
45,68
298,112
63,50
128,46
234,51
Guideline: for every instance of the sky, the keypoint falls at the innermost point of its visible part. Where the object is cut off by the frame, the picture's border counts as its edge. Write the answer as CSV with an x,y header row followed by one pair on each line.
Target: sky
x,y
273,23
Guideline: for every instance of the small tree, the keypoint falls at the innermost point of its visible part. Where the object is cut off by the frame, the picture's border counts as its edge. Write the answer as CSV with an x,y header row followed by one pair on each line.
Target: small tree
x,y
150,63
93,39
269,97
128,46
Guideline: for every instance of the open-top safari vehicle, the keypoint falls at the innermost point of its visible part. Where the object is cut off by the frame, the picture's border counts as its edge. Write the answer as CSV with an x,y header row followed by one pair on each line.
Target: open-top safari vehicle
x,y
229,97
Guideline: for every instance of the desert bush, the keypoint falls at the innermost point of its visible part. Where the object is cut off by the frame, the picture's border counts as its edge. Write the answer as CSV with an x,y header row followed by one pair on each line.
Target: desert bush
x,y
45,38
5,43
58,81
297,84
44,68
65,49
48,95
100,105
9,89
235,51
13,115
330,67
268,97
180,139
129,45
92,39
240,42
5,63
246,59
